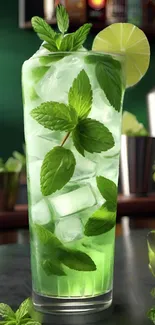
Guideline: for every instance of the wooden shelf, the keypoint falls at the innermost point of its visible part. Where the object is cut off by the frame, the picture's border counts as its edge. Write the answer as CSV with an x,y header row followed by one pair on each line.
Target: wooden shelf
x,y
127,206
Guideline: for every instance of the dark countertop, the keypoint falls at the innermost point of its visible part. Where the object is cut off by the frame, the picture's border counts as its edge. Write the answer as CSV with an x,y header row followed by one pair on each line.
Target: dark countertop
x,y
132,285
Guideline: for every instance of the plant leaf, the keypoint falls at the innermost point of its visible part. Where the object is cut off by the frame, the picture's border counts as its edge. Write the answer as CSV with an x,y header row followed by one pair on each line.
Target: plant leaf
x,y
80,36
66,43
80,95
62,18
76,260
50,47
57,169
47,59
92,136
109,79
33,322
23,309
108,190
55,116
46,237
151,315
6,312
101,222
44,31
52,267
38,73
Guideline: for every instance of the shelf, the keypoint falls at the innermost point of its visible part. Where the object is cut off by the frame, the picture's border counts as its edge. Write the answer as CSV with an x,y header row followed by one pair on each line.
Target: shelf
x,y
127,206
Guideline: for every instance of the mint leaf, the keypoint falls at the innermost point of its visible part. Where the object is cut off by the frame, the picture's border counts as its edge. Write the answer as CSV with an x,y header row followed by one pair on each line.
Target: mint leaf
x,y
47,59
52,267
92,136
109,79
47,237
76,260
108,190
23,310
38,73
80,95
50,47
55,116
6,312
62,18
151,315
58,39
101,222
80,36
67,43
57,169
77,142
102,58
44,31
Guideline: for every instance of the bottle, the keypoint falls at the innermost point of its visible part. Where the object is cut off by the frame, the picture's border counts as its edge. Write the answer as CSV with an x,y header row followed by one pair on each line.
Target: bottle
x,y
115,11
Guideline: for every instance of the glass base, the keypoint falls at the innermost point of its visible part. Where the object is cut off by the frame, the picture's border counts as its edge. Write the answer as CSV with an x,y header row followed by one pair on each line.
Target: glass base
x,y
51,305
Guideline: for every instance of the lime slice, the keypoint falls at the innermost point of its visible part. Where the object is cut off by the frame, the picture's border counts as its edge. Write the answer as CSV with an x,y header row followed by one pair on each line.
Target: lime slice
x,y
130,41
131,127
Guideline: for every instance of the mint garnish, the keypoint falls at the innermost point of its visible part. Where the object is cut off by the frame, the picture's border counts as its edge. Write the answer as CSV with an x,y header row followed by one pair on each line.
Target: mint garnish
x,y
53,267
151,315
62,19
44,31
92,136
57,169
55,116
101,222
80,95
46,237
60,42
108,190
76,260
6,312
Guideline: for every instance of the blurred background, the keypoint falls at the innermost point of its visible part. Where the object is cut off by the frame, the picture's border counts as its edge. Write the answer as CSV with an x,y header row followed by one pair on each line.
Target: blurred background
x,y
19,42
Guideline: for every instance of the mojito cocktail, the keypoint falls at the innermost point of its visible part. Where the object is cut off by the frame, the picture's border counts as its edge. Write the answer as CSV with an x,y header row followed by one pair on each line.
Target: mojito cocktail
x,y
72,115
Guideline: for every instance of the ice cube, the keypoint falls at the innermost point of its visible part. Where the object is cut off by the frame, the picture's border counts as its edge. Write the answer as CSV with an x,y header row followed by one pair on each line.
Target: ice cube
x,y
34,180
53,85
74,201
84,169
40,213
39,147
69,229
101,110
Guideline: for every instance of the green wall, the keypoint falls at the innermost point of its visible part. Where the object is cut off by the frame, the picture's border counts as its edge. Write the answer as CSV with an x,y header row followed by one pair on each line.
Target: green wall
x,y
15,47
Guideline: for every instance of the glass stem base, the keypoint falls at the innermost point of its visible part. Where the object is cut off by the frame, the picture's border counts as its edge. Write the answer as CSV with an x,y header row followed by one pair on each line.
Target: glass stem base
x,y
52,305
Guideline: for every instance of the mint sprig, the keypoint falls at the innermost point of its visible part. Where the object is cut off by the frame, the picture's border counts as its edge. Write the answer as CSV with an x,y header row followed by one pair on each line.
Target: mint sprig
x,y
25,314
59,41
108,190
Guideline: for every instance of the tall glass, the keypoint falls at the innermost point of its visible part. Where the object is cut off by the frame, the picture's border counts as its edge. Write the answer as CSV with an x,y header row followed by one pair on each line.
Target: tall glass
x,y
72,177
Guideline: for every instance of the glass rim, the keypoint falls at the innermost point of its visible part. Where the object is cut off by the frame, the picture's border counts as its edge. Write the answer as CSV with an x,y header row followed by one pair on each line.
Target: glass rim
x,y
87,52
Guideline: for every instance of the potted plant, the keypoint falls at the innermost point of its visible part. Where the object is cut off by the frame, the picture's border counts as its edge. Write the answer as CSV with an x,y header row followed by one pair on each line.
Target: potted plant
x,y
10,172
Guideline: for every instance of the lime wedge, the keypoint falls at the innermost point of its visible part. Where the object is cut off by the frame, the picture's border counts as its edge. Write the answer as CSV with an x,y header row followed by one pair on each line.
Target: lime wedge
x,y
130,41
131,126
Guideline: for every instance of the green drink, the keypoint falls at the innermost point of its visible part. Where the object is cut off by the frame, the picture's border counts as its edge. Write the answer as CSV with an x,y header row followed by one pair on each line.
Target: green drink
x,y
72,116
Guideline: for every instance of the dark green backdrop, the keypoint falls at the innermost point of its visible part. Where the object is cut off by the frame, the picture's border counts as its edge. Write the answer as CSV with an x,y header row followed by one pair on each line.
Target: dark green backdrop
x,y
15,47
